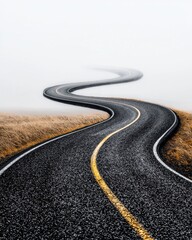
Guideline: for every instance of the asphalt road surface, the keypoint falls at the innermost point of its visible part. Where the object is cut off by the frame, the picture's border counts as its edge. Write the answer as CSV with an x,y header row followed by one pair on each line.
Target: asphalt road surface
x,y
102,182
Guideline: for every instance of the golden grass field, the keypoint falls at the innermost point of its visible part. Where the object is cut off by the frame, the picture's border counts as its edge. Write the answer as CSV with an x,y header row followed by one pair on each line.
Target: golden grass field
x,y
178,149
18,132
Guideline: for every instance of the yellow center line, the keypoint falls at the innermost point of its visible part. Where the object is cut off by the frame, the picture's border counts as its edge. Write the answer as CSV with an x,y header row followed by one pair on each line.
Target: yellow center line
x,y
141,231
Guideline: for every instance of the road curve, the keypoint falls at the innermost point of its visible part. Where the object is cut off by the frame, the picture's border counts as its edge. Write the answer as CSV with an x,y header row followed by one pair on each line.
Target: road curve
x,y
53,193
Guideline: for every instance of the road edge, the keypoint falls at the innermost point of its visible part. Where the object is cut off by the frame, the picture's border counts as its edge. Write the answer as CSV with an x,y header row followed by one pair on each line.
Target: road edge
x,y
161,140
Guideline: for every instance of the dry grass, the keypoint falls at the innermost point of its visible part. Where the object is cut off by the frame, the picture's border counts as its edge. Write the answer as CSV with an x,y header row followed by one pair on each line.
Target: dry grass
x,y
178,150
18,132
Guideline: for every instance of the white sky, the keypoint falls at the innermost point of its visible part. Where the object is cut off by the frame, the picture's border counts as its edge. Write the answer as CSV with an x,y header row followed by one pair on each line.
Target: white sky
x,y
43,43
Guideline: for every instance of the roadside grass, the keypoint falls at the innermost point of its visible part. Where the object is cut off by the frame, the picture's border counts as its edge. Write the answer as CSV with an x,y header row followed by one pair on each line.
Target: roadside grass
x,y
18,132
178,149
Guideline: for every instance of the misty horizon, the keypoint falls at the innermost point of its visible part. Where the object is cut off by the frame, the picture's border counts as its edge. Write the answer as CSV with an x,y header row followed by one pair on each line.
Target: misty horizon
x,y
53,44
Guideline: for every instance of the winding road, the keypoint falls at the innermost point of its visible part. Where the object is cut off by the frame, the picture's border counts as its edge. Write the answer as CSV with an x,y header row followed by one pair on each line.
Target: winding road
x,y
105,181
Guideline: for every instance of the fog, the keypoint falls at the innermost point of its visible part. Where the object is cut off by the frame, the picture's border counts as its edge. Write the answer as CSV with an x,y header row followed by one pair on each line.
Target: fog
x,y
44,43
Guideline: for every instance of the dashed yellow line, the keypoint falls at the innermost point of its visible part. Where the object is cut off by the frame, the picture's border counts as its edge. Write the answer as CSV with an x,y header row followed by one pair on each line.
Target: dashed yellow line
x,y
140,230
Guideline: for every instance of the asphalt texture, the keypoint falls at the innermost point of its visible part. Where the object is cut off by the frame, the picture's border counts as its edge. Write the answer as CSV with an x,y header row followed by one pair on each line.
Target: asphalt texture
x,y
51,192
